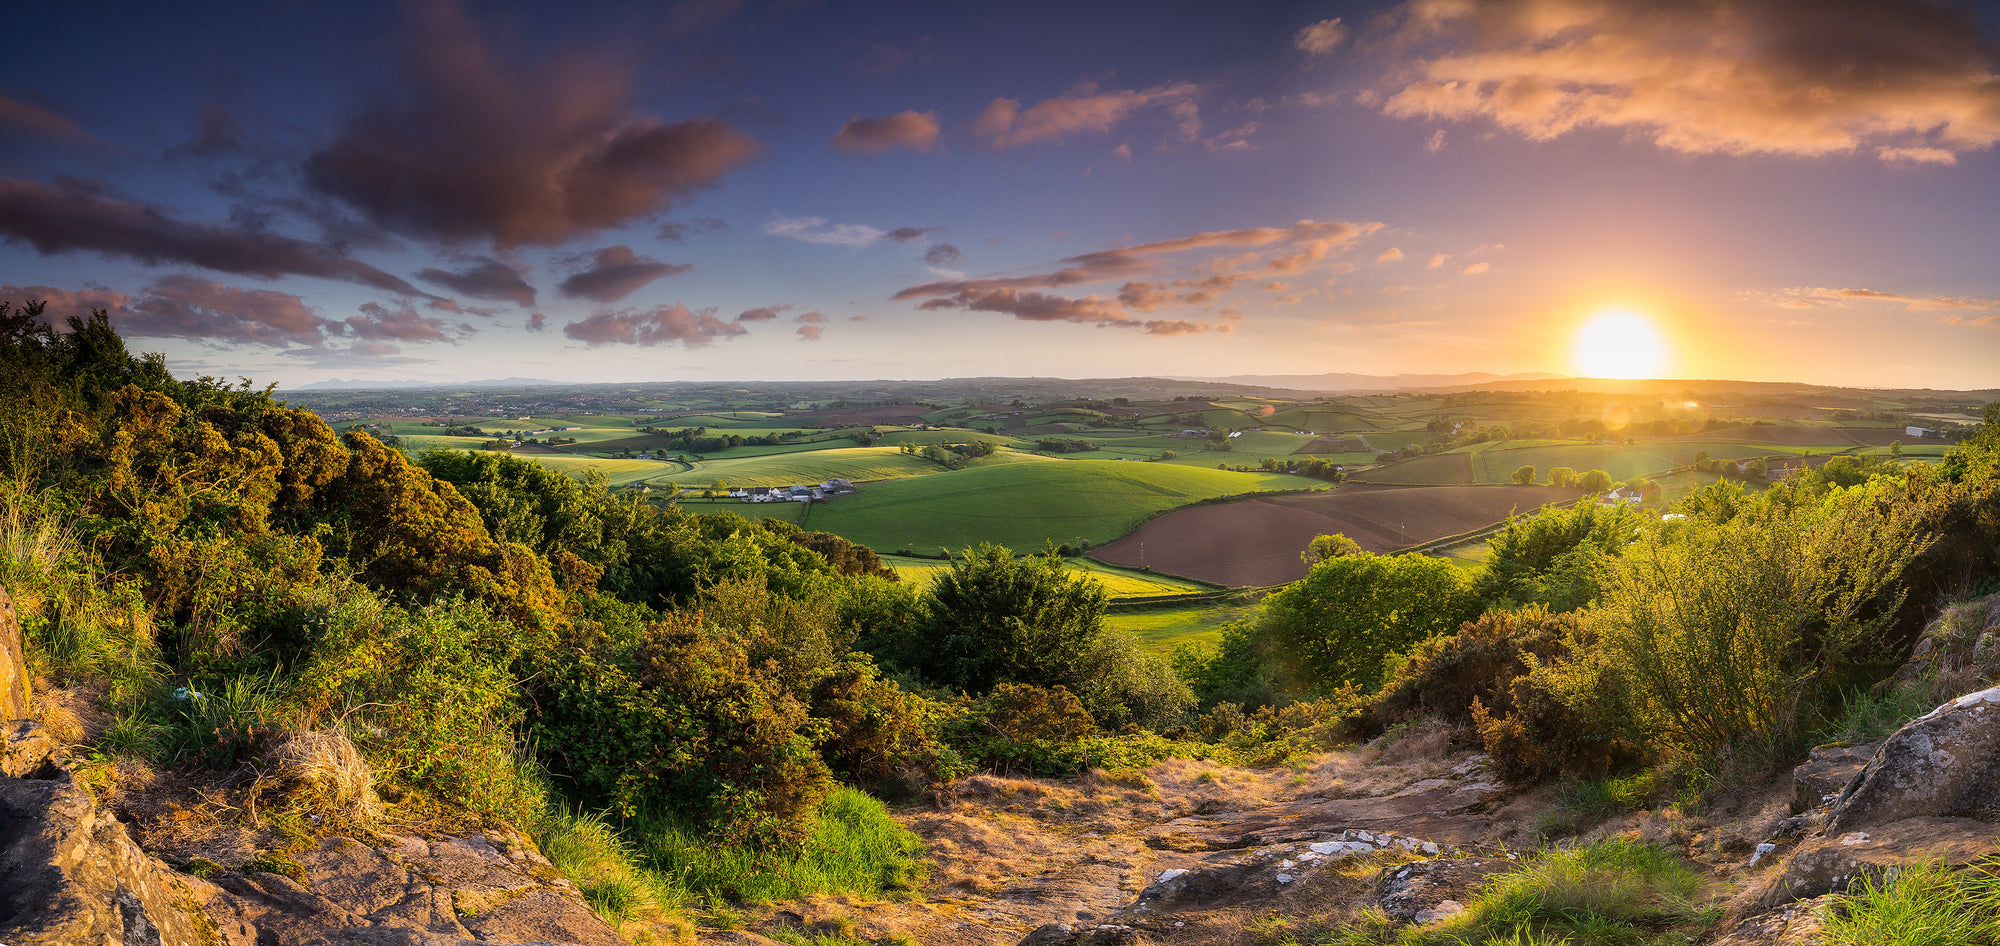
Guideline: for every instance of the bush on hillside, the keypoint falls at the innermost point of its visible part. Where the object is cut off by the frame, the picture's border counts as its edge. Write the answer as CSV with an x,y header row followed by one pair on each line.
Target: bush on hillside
x,y
1351,613
1444,676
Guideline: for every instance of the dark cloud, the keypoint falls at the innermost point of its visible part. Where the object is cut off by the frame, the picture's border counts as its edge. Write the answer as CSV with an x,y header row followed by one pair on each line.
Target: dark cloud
x,y
1042,307
487,279
908,234
1302,243
538,322
1911,81
38,120
673,232
617,272
917,131
690,15
765,314
76,219
668,323
466,147
401,322
1143,296
215,132
943,254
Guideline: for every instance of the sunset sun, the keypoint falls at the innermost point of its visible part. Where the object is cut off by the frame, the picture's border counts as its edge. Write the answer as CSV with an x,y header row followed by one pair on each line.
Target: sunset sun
x,y
1619,344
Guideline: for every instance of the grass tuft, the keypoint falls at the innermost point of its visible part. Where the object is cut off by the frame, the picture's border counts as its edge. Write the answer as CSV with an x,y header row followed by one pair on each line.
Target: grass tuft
x,y
855,848
1923,905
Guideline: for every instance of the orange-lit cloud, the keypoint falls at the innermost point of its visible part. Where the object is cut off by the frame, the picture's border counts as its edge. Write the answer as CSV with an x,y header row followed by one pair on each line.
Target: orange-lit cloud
x,y
38,119
1814,296
1320,38
917,131
1389,255
1909,81
1084,110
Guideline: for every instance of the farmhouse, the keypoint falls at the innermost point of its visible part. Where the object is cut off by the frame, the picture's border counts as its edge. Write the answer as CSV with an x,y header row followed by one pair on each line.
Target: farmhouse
x,y
1922,432
1622,497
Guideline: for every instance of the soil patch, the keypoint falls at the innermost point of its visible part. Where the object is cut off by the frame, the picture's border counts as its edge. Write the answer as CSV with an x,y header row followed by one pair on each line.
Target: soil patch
x,y
1256,542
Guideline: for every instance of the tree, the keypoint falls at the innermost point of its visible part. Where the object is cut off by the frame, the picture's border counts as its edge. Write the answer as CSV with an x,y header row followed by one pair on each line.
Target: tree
x,y
1595,481
1524,475
1562,477
1702,461
1341,622
1329,546
998,618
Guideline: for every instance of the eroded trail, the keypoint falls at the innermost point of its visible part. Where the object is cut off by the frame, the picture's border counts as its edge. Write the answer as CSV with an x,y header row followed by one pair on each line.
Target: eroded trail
x,y
1010,856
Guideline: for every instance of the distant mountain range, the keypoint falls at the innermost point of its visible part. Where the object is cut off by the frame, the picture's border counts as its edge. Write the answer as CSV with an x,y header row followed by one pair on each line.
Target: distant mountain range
x,y
1345,383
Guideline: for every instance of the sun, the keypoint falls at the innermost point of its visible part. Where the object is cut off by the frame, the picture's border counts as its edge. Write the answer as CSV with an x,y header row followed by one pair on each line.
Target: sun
x,y
1619,344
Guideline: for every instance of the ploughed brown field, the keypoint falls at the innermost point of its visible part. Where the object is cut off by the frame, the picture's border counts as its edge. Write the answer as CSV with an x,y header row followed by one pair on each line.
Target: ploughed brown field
x,y
1256,542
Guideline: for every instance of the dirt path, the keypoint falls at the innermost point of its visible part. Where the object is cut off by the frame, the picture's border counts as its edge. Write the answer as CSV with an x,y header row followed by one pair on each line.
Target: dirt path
x,y
1011,855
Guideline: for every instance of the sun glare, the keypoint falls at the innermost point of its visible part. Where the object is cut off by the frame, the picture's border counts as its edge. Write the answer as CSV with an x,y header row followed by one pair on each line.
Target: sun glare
x,y
1619,344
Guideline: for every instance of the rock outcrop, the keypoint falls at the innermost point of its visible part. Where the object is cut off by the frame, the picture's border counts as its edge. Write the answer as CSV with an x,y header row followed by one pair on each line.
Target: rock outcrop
x,y
13,669
1928,793
75,878
1945,763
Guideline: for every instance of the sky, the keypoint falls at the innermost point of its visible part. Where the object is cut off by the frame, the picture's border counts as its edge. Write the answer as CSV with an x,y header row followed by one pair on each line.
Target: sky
x,y
711,190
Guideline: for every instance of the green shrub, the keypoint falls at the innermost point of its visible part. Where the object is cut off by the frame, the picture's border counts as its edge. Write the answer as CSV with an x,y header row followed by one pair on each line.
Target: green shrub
x,y
1443,676
683,725
853,847
1351,613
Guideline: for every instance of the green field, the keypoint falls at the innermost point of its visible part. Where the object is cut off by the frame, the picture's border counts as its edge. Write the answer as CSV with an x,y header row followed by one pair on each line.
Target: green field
x,y
1024,505
1162,627
810,466
615,472
1118,582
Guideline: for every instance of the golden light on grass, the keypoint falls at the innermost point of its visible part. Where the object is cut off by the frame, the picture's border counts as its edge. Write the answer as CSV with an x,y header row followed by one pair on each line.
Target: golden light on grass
x,y
1619,343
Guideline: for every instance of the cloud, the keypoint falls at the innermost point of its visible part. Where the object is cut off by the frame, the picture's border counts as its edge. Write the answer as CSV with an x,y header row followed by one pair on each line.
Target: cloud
x,y
693,328
1813,296
812,325
38,120
64,304
811,333
183,306
764,314
215,132
678,232
400,322
817,230
1477,268
1320,38
1123,153
467,147
917,131
1270,250
1389,255
487,279
1235,139
687,16
807,318
1084,110
1917,156
1042,307
943,254
909,234
615,273
1435,143
538,322
885,58
1437,260
1788,77
76,219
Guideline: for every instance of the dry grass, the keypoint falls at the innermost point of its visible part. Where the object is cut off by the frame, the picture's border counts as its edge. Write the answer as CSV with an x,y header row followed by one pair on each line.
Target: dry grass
x,y
322,771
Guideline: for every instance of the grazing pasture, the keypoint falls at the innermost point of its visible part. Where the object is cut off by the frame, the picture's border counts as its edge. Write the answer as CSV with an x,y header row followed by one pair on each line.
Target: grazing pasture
x,y
1257,541
1025,505
1118,582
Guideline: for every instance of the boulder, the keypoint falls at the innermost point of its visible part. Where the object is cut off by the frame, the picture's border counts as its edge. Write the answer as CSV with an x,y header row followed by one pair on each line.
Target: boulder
x,y
1829,864
25,748
75,878
1820,779
1958,651
1943,764
13,666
